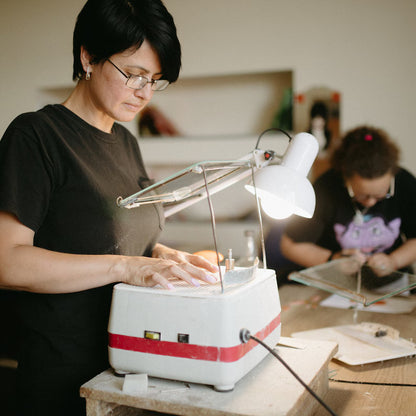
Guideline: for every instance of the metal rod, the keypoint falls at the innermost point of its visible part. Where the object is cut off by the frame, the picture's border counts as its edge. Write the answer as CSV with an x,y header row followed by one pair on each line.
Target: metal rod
x,y
214,231
263,248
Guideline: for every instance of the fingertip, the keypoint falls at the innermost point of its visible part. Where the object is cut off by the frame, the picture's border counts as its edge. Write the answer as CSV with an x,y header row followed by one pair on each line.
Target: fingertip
x,y
195,282
215,268
205,263
165,283
211,279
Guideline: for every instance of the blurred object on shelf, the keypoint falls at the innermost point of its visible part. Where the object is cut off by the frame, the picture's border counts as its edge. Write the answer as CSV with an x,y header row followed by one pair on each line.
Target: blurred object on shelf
x,y
317,111
283,118
153,122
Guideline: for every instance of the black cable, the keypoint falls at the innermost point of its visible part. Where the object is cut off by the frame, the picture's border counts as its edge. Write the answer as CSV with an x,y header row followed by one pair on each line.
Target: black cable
x,y
245,336
372,383
271,129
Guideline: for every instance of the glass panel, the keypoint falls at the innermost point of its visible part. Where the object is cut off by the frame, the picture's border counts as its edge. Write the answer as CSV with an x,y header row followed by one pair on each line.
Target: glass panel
x,y
189,183
346,278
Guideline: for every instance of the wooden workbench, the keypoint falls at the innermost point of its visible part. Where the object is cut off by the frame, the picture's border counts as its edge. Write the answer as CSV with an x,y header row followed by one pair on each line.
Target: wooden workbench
x,y
378,389
384,388
269,389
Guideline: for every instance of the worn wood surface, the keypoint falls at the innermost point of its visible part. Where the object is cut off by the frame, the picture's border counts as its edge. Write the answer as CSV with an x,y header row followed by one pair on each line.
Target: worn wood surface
x,y
377,389
269,389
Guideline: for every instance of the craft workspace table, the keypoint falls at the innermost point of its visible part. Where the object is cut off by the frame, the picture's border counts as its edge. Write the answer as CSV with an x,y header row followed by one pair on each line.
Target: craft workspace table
x,y
267,390
383,388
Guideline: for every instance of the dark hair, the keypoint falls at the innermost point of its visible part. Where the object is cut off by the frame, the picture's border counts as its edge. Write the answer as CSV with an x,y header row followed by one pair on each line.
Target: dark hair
x,y
366,151
107,27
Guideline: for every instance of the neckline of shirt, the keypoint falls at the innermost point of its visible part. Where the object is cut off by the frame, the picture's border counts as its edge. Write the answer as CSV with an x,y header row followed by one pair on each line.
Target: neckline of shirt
x,y
99,134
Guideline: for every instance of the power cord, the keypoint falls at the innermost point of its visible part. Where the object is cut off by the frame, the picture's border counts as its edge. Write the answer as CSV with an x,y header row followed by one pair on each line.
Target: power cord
x,y
245,336
275,129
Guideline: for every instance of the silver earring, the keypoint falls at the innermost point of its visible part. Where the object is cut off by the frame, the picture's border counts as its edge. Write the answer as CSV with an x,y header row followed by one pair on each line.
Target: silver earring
x,y
88,75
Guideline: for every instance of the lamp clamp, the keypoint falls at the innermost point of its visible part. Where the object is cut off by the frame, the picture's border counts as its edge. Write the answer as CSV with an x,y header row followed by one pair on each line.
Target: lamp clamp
x,y
263,157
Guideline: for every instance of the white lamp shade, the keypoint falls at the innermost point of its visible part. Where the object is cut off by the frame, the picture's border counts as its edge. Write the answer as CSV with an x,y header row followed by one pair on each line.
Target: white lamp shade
x,y
301,153
283,192
284,189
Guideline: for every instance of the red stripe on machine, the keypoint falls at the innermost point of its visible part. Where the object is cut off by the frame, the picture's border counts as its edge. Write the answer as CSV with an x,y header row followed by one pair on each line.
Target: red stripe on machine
x,y
192,351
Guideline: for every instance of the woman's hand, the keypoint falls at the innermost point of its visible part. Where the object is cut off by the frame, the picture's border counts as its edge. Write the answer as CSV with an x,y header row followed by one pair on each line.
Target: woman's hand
x,y
382,264
164,252
355,253
167,265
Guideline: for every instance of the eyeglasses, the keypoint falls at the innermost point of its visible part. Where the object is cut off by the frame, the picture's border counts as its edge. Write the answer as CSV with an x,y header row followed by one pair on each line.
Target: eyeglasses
x,y
362,197
137,82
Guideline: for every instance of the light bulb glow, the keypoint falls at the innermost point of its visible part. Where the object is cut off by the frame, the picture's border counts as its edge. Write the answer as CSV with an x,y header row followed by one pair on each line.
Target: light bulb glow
x,y
276,208
282,192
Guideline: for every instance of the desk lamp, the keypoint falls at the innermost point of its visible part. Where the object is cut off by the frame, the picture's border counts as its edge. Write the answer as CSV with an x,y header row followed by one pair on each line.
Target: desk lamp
x,y
279,183
193,334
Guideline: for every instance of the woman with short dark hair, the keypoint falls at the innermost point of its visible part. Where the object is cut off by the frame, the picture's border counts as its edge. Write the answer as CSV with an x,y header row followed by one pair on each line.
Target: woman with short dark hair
x,y
64,242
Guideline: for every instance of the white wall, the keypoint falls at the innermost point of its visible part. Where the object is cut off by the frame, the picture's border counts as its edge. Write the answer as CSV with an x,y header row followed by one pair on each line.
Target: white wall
x,y
362,48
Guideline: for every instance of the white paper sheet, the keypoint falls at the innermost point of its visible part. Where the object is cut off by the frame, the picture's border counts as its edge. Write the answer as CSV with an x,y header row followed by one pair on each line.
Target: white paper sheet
x,y
360,344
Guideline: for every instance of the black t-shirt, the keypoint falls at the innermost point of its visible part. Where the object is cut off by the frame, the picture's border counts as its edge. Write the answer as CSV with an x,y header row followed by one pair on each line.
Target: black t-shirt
x,y
335,224
61,177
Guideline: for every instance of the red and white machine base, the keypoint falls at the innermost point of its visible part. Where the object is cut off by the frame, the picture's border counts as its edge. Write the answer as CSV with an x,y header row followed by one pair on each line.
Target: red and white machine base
x,y
193,334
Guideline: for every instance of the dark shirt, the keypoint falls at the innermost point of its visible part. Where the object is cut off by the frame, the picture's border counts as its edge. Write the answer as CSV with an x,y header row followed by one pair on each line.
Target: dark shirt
x,y
61,177
335,224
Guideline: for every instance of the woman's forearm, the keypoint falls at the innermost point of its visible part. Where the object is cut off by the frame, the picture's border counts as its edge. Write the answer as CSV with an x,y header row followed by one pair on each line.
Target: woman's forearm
x,y
34,269
405,255
304,254
26,267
